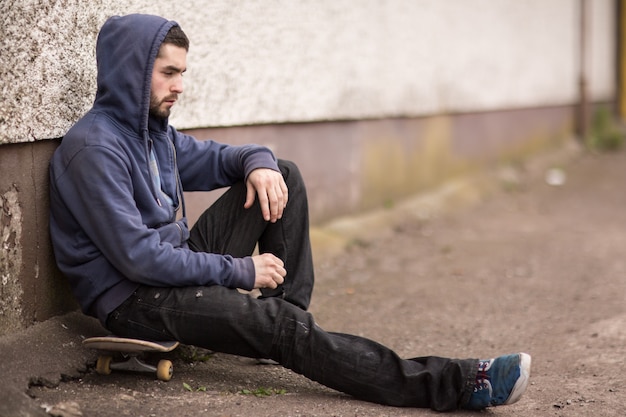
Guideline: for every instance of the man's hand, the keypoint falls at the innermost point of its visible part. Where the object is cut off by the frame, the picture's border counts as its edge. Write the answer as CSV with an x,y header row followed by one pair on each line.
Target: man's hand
x,y
270,186
269,271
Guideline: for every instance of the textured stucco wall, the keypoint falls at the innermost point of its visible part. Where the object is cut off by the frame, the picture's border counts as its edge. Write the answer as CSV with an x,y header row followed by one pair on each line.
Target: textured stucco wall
x,y
11,261
47,66
267,61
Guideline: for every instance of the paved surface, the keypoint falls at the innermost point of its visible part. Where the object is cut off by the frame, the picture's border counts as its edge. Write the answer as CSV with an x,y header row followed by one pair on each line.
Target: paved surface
x,y
478,269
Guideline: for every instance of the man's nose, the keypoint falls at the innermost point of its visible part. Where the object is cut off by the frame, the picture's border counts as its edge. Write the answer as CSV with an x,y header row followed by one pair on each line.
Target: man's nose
x,y
177,86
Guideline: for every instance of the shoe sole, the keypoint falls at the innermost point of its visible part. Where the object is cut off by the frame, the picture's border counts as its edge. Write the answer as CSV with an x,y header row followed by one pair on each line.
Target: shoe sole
x,y
522,382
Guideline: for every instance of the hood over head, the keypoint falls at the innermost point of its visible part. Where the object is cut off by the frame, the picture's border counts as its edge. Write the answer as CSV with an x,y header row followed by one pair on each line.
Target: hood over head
x,y
126,49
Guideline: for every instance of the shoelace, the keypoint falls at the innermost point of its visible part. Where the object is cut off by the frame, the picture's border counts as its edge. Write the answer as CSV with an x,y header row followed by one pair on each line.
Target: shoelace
x,y
482,378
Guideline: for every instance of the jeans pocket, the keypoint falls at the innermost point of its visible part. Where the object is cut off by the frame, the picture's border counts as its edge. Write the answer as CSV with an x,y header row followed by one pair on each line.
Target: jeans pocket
x,y
115,315
138,317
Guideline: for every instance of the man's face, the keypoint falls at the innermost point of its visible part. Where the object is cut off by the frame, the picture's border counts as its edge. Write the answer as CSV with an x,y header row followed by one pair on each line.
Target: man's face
x,y
167,79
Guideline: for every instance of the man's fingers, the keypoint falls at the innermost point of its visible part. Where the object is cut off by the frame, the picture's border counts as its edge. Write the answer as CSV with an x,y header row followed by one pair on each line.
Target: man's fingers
x,y
282,196
275,205
269,270
272,193
279,262
250,195
264,202
285,191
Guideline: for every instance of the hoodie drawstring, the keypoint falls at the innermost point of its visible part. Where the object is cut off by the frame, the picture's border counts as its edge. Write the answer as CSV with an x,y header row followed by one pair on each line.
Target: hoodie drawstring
x,y
153,170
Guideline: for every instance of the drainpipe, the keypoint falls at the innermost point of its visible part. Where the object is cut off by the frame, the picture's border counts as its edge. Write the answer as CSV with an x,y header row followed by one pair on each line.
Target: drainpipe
x,y
583,115
621,63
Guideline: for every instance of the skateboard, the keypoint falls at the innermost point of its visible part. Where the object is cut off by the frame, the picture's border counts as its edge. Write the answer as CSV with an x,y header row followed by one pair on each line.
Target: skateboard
x,y
131,350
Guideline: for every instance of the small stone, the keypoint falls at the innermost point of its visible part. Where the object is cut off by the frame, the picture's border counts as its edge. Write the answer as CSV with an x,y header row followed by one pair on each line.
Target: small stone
x,y
65,409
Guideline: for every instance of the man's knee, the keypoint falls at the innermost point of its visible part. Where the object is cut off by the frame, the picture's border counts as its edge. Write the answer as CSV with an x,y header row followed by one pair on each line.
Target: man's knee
x,y
287,166
290,171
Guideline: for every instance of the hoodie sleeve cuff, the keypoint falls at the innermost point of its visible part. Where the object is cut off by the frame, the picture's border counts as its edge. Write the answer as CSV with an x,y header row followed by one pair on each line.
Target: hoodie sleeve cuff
x,y
243,274
260,160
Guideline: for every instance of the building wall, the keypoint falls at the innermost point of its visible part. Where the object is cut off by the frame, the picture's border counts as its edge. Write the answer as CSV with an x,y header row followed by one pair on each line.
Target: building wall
x,y
374,103
31,287
353,166
272,61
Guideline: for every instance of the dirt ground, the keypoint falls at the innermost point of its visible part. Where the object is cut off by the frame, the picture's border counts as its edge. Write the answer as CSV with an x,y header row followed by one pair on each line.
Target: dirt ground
x,y
532,267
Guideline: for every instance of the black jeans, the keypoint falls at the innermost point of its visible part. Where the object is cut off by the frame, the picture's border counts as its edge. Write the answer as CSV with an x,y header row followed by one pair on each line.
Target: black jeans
x,y
279,327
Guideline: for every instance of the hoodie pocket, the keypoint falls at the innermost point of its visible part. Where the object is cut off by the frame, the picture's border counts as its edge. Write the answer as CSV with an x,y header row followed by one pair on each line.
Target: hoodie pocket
x,y
175,233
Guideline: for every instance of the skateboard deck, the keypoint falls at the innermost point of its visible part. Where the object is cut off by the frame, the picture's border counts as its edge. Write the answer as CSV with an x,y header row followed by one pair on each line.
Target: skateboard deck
x,y
131,350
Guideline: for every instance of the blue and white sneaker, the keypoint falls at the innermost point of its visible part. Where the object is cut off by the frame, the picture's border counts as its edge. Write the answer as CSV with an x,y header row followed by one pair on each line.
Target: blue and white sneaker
x,y
500,381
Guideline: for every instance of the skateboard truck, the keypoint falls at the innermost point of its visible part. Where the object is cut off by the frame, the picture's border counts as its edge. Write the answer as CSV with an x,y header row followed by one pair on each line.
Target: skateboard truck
x,y
131,350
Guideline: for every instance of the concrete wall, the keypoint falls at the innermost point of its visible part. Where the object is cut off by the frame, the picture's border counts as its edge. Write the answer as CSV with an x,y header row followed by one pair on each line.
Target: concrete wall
x,y
375,102
31,288
353,166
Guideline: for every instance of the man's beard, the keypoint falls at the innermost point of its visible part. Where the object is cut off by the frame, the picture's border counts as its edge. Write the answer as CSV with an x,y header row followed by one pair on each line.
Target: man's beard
x,y
155,107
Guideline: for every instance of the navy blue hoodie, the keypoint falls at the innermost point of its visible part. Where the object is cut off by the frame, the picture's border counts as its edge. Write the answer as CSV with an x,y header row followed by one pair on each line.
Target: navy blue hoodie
x,y
111,230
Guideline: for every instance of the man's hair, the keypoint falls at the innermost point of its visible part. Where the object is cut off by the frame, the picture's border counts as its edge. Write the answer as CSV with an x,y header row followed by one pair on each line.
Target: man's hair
x,y
177,37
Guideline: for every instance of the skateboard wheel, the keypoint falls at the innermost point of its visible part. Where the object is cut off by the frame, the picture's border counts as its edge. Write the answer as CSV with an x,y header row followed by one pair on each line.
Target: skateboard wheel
x,y
165,370
103,366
